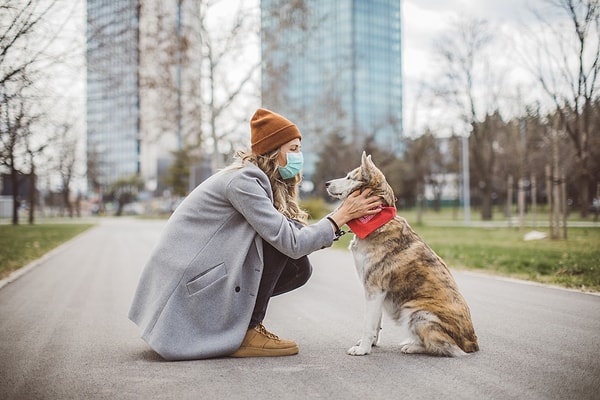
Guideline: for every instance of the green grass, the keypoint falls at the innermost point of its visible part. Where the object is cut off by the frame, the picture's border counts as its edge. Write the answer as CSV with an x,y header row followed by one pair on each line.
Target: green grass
x,y
572,263
22,244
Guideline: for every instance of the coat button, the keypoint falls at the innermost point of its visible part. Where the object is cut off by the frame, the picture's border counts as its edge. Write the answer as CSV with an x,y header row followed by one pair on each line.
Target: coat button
x,y
237,289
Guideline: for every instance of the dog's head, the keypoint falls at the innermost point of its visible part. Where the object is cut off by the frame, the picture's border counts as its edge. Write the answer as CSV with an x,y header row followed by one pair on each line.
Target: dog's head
x,y
360,178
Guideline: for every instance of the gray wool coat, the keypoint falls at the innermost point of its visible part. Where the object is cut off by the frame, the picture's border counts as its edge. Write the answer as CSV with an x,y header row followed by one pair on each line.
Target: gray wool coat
x,y
196,293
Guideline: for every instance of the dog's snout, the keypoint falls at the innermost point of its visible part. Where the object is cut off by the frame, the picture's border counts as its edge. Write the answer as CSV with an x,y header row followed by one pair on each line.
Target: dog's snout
x,y
327,184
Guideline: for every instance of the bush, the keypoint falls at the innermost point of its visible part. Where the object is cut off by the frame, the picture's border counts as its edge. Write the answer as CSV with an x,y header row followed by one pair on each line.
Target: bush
x,y
316,207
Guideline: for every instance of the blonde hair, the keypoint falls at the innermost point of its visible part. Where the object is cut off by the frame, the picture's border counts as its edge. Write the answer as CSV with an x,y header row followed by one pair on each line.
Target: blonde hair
x,y
285,191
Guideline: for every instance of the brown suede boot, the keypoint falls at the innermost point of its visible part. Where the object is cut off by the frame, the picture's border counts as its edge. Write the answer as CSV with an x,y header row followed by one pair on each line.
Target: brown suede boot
x,y
259,342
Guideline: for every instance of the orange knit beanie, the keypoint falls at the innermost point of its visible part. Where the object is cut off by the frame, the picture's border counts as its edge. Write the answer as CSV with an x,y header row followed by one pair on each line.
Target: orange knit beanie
x,y
269,130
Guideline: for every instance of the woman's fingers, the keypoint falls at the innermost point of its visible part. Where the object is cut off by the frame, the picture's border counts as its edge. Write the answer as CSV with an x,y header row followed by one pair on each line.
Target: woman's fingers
x,y
367,192
366,203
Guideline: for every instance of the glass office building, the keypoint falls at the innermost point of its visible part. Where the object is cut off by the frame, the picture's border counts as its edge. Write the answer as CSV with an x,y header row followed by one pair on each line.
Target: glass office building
x,y
335,66
113,111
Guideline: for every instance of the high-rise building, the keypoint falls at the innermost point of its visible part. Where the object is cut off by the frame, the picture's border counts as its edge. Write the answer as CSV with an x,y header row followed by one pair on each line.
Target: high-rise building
x,y
113,106
142,94
334,66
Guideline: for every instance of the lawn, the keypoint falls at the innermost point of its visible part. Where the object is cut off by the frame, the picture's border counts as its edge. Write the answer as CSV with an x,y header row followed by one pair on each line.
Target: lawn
x,y
22,244
572,263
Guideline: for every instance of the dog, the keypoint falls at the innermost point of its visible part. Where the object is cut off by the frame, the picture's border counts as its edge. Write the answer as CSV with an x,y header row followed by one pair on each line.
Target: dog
x,y
402,275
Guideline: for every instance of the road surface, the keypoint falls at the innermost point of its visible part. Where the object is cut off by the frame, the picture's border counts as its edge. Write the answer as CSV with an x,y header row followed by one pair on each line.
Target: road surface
x,y
64,334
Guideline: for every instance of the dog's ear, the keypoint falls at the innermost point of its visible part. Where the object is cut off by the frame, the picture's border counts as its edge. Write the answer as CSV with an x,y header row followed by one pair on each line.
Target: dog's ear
x,y
371,173
366,164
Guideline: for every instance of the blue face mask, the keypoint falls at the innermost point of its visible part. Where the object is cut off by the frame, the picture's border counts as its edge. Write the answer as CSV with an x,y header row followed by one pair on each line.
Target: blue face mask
x,y
295,161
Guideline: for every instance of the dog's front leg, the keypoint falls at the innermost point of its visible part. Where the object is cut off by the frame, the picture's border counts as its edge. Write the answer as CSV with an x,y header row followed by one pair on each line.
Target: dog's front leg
x,y
372,324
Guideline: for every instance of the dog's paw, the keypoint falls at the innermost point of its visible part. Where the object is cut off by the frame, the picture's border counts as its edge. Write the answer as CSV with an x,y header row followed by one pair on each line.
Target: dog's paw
x,y
358,351
412,348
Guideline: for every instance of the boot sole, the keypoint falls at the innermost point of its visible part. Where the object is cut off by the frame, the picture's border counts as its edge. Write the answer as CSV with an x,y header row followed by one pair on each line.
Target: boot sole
x,y
260,352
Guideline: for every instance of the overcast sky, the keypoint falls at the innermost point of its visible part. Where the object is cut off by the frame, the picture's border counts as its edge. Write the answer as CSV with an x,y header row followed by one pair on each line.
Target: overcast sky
x,y
423,21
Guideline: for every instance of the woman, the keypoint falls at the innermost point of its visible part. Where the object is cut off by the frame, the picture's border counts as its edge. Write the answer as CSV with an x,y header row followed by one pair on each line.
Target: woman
x,y
236,240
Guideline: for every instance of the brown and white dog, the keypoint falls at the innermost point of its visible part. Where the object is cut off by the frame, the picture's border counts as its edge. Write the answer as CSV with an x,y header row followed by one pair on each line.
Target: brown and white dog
x,y
403,275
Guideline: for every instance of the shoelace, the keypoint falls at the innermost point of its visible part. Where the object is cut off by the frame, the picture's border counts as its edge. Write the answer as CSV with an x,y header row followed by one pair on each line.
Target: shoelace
x,y
261,328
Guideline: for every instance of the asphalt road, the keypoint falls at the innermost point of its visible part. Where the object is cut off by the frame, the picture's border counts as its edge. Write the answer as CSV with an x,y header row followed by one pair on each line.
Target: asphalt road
x,y
64,334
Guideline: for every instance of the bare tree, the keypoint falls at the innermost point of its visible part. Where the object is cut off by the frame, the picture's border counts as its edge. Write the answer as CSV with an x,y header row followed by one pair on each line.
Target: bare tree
x,y
223,49
471,84
426,160
66,163
33,151
19,19
27,31
198,76
566,63
16,127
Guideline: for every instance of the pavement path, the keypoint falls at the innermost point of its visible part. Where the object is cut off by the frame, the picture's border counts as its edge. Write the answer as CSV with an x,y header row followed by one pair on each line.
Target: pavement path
x,y
64,334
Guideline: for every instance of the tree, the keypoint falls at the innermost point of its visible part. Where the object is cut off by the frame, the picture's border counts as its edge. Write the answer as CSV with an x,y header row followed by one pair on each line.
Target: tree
x,y
386,160
471,85
18,56
337,157
198,75
66,160
221,50
566,63
28,30
125,190
19,19
424,158
16,128
33,153
179,172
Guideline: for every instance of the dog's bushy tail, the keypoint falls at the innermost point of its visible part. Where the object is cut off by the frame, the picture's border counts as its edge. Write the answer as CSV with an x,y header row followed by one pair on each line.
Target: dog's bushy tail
x,y
435,339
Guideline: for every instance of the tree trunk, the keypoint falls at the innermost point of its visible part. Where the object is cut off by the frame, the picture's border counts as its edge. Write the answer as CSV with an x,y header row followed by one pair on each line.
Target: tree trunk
x,y
584,192
32,196
14,180
67,203
486,204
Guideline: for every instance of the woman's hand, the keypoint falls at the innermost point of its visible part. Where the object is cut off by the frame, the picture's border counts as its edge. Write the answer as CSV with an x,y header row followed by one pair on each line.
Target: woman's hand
x,y
356,205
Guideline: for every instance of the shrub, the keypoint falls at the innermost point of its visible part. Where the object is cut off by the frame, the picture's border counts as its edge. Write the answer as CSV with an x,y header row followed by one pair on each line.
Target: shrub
x,y
316,207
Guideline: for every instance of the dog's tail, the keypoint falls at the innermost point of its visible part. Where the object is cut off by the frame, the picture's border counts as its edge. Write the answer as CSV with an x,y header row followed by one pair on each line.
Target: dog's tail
x,y
434,337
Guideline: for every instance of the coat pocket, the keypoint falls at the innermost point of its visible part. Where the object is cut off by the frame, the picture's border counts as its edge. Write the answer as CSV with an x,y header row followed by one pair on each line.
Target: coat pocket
x,y
206,279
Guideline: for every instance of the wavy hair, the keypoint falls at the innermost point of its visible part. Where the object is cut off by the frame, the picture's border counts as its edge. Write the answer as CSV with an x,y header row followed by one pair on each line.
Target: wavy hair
x,y
285,191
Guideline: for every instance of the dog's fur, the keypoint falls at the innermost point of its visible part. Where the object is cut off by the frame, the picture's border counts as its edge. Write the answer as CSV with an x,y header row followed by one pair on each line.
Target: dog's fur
x,y
403,275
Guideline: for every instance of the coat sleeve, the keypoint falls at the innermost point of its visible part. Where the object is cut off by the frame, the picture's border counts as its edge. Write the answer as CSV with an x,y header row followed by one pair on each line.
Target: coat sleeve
x,y
249,193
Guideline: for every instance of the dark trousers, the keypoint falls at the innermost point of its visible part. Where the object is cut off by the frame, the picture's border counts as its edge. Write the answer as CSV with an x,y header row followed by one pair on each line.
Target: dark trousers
x,y
281,274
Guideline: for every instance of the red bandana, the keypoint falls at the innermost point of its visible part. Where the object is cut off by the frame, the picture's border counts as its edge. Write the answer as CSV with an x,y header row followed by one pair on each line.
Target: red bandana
x,y
367,224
